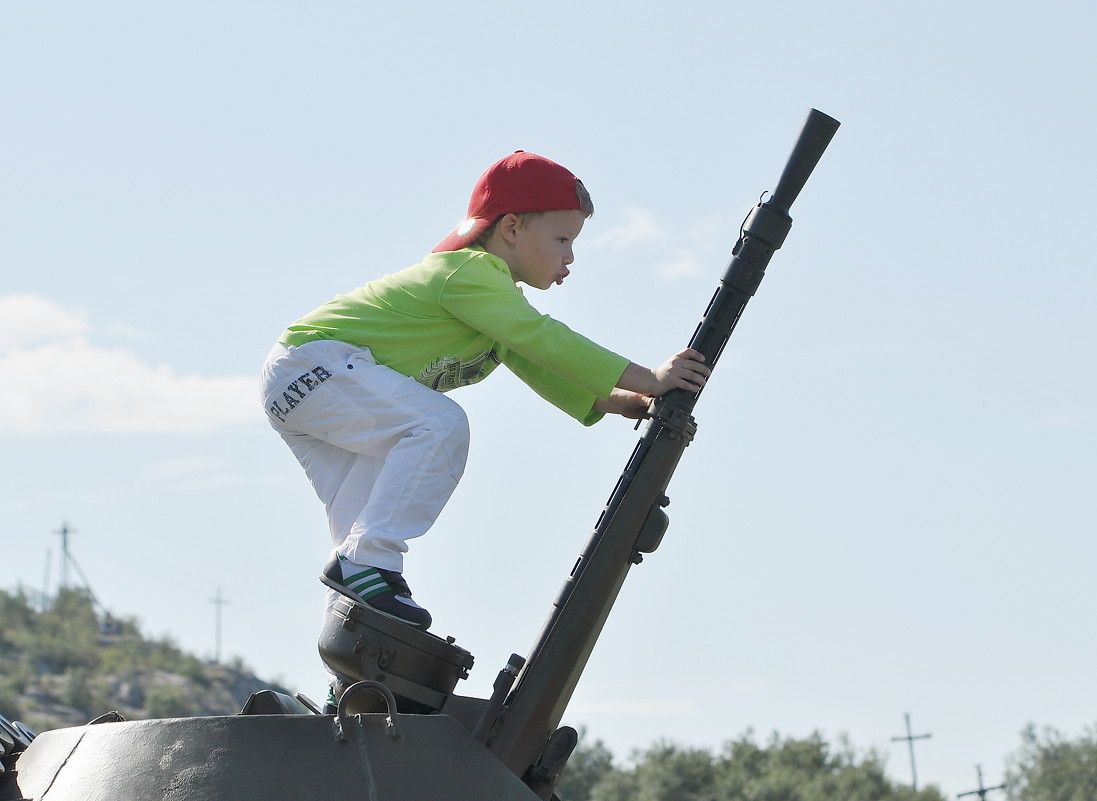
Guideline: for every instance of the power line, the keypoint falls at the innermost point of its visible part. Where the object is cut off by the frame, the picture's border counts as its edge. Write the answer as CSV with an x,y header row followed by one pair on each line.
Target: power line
x,y
910,738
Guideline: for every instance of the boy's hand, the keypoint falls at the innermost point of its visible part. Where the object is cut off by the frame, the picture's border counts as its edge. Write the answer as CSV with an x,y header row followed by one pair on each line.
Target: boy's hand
x,y
684,370
632,405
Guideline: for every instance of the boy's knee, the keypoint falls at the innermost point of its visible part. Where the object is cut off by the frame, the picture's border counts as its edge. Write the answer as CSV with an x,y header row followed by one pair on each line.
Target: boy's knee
x,y
458,421
456,437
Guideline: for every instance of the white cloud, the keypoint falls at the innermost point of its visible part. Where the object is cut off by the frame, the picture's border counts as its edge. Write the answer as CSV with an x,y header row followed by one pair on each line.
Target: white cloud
x,y
681,265
25,319
639,227
67,384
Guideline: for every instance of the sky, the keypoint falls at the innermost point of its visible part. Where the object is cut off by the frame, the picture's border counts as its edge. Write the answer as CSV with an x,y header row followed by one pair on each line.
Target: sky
x,y
889,505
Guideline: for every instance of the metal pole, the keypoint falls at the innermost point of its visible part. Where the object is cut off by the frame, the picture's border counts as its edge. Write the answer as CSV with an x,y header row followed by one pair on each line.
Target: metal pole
x,y
910,738
218,602
982,791
64,534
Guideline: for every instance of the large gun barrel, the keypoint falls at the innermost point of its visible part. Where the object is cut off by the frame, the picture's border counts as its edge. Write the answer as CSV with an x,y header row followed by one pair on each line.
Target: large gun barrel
x,y
633,521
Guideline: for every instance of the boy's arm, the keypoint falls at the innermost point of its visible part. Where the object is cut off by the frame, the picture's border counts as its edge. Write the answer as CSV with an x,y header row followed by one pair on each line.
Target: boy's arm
x,y
482,295
638,385
625,403
684,370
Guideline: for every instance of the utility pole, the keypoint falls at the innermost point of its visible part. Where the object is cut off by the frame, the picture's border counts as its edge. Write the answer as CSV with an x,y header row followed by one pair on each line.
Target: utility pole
x,y
67,560
910,738
64,534
982,791
218,602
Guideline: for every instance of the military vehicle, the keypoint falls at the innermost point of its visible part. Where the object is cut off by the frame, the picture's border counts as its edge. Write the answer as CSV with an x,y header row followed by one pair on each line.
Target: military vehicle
x,y
400,732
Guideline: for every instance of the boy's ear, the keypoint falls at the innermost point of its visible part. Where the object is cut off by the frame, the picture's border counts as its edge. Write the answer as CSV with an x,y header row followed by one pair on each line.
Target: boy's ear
x,y
508,227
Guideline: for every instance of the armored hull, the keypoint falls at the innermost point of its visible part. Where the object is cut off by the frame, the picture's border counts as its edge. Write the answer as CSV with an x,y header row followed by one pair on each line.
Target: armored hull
x,y
269,757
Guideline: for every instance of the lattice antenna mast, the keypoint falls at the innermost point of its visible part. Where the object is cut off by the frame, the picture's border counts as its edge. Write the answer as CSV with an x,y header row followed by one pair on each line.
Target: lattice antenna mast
x,y
910,738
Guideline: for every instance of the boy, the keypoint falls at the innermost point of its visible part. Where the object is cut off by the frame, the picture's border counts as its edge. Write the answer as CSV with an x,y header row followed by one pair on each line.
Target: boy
x,y
355,388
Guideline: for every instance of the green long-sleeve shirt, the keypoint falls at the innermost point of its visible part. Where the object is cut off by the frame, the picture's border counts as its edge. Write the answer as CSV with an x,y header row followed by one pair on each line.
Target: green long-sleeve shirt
x,y
450,320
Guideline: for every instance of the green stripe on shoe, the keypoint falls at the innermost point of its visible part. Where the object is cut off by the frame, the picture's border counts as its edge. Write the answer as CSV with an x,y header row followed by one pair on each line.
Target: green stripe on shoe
x,y
366,584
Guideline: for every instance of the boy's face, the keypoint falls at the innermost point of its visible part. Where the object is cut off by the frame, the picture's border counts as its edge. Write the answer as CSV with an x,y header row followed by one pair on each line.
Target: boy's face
x,y
542,247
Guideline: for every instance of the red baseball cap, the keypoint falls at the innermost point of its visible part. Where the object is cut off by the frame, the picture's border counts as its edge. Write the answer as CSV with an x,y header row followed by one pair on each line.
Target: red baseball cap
x,y
519,183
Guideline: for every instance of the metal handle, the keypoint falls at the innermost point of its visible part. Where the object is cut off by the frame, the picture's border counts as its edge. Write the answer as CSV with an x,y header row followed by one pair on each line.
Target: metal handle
x,y
342,718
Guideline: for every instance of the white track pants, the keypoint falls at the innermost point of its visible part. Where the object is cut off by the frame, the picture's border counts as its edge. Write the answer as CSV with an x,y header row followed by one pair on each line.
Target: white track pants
x,y
383,452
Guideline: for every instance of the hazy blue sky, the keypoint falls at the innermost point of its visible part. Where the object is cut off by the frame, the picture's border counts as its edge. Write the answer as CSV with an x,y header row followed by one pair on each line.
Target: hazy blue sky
x,y
889,506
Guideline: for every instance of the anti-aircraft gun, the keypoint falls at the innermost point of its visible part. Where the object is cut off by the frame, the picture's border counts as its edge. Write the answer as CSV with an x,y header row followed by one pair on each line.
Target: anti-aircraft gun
x,y
400,733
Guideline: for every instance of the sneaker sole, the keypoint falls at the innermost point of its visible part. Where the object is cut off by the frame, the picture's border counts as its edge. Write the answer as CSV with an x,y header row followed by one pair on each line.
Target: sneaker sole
x,y
339,588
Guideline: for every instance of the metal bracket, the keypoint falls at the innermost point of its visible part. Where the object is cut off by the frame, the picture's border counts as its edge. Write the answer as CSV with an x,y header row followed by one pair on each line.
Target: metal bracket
x,y
680,423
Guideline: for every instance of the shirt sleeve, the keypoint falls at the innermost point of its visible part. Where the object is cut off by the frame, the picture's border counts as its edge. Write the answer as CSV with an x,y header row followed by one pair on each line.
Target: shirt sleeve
x,y
562,365
565,396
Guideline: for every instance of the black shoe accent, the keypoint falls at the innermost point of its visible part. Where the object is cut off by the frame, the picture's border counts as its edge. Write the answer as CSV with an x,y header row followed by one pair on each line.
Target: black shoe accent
x,y
387,603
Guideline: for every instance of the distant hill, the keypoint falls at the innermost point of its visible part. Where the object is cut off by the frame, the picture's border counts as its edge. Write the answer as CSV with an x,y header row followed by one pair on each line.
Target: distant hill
x,y
69,664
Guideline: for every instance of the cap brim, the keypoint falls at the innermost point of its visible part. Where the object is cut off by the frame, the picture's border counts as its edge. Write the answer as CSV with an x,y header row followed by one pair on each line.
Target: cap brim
x,y
463,235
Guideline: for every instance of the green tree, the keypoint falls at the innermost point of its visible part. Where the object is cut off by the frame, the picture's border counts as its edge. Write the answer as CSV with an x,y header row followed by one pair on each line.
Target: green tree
x,y
9,701
664,772
1049,767
62,637
784,770
68,664
807,770
16,617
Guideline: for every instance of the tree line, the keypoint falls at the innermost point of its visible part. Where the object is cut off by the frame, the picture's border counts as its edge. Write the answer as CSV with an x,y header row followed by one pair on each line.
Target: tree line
x,y
782,769
1047,766
68,663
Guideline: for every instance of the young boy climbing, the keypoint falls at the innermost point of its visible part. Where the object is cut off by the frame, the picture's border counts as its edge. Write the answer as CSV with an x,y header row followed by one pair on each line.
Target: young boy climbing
x,y
356,387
